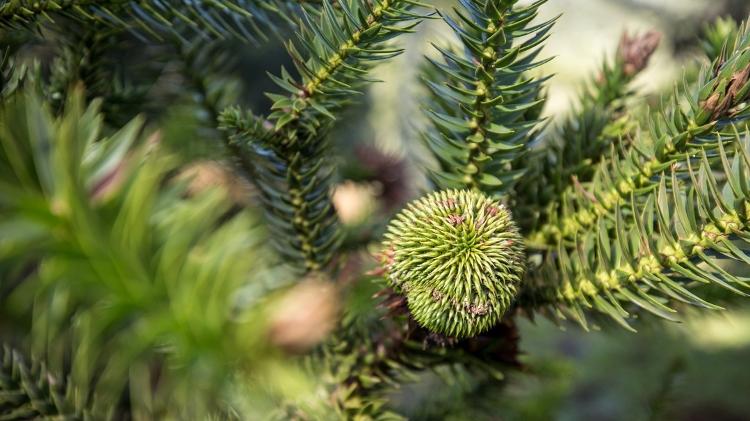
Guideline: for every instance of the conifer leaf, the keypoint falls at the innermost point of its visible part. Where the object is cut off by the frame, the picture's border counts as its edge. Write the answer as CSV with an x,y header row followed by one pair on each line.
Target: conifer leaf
x,y
481,97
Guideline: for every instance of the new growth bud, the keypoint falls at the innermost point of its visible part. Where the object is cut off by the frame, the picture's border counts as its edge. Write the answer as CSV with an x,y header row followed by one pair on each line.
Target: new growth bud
x,y
636,50
458,258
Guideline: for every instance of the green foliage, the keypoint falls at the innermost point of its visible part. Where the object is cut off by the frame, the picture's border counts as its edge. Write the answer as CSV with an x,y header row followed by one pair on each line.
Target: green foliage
x,y
717,36
103,225
638,230
336,48
584,138
86,58
30,392
202,65
155,19
458,258
138,291
481,96
12,76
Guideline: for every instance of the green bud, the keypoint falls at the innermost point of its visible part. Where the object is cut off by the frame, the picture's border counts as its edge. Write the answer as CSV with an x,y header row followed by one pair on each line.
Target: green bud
x,y
458,258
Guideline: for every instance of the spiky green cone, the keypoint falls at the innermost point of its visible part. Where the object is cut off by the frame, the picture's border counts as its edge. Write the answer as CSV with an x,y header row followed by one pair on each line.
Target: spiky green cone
x,y
458,258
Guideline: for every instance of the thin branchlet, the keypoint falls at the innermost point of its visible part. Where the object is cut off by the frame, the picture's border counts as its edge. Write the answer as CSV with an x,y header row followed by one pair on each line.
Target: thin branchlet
x,y
336,47
583,140
640,230
483,100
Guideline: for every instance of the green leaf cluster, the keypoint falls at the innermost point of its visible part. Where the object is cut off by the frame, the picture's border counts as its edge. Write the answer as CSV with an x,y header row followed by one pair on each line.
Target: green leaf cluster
x,y
336,48
640,230
576,146
482,97
158,19
115,253
29,391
